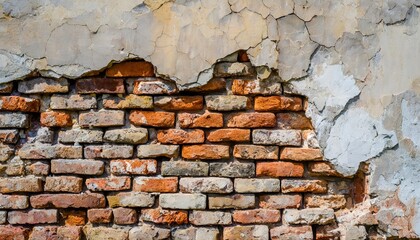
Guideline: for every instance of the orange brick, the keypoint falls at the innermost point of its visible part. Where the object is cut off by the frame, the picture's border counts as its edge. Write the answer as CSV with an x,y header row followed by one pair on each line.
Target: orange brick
x,y
108,184
252,120
187,103
131,69
301,154
73,217
229,135
206,120
56,119
152,119
178,136
155,184
292,120
313,186
279,169
215,84
256,216
15,103
278,103
158,215
322,169
205,151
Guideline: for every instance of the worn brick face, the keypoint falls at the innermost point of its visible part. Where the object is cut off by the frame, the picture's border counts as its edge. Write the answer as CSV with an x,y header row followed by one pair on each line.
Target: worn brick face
x,y
131,69
100,85
178,136
205,151
278,103
280,169
206,120
156,184
252,120
229,135
152,119
56,119
16,103
186,103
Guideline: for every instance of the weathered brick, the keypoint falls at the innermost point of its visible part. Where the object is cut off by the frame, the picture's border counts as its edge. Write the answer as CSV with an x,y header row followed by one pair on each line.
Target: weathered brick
x,y
63,184
206,120
9,136
98,233
186,103
206,185
43,85
6,152
253,87
128,102
77,166
314,186
69,232
108,151
56,119
34,216
257,232
124,215
278,103
152,119
201,233
309,139
6,87
182,200
48,151
280,169
13,202
21,104
301,154
9,232
184,168
131,69
157,150
235,201
38,168
127,135
161,216
325,201
73,102
232,169
14,120
100,85
73,217
133,166
229,135
233,69
20,184
205,151
3,217
44,232
157,86
15,167
280,201
80,136
213,85
68,200
252,120
179,136
99,215
292,120
156,184
322,169
130,199
256,152
256,216
243,185
319,216
149,232
108,183
277,137
291,232
210,218
227,102
103,118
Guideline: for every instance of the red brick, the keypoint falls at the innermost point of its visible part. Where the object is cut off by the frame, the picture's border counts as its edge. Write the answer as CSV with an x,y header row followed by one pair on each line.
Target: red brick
x,y
242,56
229,135
292,232
35,216
20,184
322,169
21,104
84,200
279,169
161,216
256,216
155,184
205,151
131,69
134,166
124,215
152,119
73,217
301,154
56,119
179,103
256,152
215,84
100,85
108,184
278,103
69,233
100,215
280,201
252,120
206,120
293,120
44,232
158,86
178,136
313,186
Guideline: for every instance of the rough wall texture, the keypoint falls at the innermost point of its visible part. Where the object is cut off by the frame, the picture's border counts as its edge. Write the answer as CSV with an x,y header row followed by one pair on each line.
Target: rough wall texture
x,y
355,61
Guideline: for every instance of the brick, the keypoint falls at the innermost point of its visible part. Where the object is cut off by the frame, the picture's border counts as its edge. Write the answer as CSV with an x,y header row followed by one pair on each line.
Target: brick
x,y
291,232
13,202
44,232
68,200
280,201
322,169
6,152
161,216
206,185
233,69
99,215
253,87
131,69
232,169
9,136
182,200
56,119
325,201
15,167
77,166
155,87
156,184
73,102
314,186
235,201
152,119
103,118
127,135
124,215
41,134
179,103
80,136
179,136
243,56
301,154
130,199
3,217
38,168
9,232
34,216
205,151
157,150
100,85
48,151
184,168
293,120
6,87
252,120
21,104
277,137
133,167
128,102
43,85
278,103
256,152
14,120
201,233
243,185
257,232
69,232
108,151
73,217
63,184
309,139
206,120
326,232
229,135
213,85
227,102
20,184
148,231
200,218
319,216
97,233
256,216
280,169
108,184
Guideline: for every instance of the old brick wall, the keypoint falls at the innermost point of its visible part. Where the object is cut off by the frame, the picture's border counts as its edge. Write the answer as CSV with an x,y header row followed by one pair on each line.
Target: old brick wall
x,y
126,155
